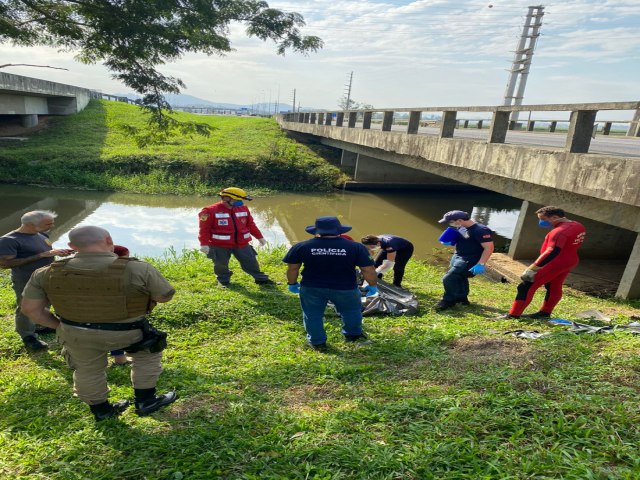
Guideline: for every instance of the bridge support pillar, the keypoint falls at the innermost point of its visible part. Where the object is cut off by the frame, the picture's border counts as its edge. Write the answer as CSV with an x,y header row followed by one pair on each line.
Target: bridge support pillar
x,y
348,160
528,236
28,121
630,283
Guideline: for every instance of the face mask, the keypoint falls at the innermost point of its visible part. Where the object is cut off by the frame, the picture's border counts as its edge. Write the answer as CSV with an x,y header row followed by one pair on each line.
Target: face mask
x,y
453,225
237,203
544,224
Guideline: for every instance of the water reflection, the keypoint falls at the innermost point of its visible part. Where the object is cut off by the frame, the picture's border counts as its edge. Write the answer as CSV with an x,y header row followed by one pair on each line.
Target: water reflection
x,y
148,225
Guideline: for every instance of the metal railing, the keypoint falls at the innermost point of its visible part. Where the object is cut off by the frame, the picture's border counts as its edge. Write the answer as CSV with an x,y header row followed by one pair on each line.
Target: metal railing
x,y
115,98
581,122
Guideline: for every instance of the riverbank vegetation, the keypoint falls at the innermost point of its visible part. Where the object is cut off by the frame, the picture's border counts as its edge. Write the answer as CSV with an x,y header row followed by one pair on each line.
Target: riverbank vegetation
x,y
437,395
92,150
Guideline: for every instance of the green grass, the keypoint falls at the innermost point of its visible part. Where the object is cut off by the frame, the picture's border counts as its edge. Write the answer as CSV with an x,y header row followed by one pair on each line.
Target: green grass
x,y
435,396
91,150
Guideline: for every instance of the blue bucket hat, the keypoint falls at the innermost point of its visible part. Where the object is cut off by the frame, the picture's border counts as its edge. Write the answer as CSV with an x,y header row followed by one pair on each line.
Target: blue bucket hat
x,y
454,215
327,226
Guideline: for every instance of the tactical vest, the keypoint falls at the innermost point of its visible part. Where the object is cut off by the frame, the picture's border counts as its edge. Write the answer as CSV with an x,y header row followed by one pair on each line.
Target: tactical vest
x,y
99,296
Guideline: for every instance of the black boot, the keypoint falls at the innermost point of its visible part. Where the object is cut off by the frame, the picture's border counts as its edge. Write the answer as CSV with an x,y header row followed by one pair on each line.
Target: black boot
x,y
34,344
148,402
537,315
105,410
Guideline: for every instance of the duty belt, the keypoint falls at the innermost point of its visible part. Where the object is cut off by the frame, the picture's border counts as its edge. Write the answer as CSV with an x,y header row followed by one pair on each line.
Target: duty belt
x,y
106,326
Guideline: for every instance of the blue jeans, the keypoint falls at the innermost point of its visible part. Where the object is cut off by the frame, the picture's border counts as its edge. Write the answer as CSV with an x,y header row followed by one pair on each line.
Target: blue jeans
x,y
456,280
314,301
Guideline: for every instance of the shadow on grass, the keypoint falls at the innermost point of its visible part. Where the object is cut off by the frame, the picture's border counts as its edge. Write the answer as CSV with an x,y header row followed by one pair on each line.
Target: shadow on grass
x,y
69,149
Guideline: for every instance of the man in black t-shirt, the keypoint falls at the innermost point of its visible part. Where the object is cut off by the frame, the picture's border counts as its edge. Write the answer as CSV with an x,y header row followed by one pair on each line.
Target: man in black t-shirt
x,y
394,254
24,251
474,246
329,274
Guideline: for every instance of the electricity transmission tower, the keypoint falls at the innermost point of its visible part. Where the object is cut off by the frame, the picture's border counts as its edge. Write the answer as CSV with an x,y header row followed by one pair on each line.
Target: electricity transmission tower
x,y
347,92
522,60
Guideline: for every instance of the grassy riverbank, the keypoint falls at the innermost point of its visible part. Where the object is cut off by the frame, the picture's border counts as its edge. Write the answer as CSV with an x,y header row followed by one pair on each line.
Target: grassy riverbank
x,y
434,396
90,150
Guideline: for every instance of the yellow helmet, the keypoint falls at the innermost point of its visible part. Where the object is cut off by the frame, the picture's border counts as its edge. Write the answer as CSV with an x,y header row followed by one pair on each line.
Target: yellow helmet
x,y
235,193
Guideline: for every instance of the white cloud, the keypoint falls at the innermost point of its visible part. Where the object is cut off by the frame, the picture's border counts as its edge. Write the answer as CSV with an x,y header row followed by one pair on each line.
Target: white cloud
x,y
429,52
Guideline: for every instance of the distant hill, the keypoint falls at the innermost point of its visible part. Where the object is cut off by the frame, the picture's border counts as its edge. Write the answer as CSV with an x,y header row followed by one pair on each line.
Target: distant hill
x,y
182,100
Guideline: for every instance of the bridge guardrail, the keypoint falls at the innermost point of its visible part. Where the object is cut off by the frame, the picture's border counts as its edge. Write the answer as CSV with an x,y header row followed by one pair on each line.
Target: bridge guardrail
x,y
582,120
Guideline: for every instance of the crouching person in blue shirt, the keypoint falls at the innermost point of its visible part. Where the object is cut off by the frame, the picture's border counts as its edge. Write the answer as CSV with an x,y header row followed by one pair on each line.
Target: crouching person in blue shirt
x,y
329,274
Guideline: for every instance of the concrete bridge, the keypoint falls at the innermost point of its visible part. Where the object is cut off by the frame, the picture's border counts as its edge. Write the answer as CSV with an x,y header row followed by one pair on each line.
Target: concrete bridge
x,y
601,189
27,97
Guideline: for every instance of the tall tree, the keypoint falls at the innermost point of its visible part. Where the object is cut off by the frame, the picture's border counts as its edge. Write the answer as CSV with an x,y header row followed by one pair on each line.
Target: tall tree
x,y
353,105
134,37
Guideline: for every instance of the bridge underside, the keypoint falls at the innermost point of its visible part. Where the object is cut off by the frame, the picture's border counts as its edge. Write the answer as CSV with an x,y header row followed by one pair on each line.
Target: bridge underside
x,y
599,190
26,98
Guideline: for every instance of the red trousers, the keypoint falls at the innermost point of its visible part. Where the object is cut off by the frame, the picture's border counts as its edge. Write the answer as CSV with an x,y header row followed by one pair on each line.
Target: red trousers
x,y
552,277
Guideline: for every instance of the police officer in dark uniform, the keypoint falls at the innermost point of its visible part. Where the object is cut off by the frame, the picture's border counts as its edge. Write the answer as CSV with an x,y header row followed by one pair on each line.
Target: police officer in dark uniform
x,y
394,253
24,251
329,274
100,302
474,246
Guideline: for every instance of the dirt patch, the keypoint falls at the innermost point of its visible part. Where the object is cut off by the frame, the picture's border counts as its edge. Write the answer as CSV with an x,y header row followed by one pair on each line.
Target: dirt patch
x,y
12,127
198,403
481,351
312,397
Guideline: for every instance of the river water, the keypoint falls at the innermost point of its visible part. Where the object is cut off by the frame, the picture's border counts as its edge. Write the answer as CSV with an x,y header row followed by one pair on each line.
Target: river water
x,y
149,225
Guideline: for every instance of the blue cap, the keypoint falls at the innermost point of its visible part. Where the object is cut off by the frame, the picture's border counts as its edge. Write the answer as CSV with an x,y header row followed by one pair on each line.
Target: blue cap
x,y
454,215
327,226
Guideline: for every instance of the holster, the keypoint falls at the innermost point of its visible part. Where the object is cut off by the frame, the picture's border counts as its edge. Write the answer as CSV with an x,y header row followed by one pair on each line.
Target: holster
x,y
152,339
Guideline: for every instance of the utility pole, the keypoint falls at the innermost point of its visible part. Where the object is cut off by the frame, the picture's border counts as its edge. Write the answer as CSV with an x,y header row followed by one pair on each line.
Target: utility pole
x,y
348,91
522,60
293,104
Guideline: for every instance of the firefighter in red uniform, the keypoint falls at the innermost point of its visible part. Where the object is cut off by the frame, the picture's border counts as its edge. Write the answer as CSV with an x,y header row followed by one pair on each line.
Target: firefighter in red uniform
x,y
226,228
558,256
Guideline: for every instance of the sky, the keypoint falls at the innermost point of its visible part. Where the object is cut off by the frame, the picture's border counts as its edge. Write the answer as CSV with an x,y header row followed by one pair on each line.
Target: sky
x,y
422,53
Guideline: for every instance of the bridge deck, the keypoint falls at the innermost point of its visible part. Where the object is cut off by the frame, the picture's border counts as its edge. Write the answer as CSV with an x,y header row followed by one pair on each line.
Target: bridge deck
x,y
622,146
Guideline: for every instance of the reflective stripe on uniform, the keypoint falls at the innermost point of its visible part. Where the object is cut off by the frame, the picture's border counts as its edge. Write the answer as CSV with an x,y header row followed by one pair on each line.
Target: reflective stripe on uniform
x,y
220,237
247,235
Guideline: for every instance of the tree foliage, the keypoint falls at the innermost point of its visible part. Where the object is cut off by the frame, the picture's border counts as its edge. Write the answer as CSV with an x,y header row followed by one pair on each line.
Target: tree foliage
x,y
353,105
133,38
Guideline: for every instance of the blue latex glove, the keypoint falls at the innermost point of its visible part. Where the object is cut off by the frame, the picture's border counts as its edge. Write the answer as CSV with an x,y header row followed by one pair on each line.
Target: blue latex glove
x,y
477,269
370,290
447,244
295,288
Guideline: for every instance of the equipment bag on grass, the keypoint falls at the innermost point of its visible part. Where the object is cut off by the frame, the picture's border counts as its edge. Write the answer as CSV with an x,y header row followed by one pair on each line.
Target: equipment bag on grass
x,y
391,300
